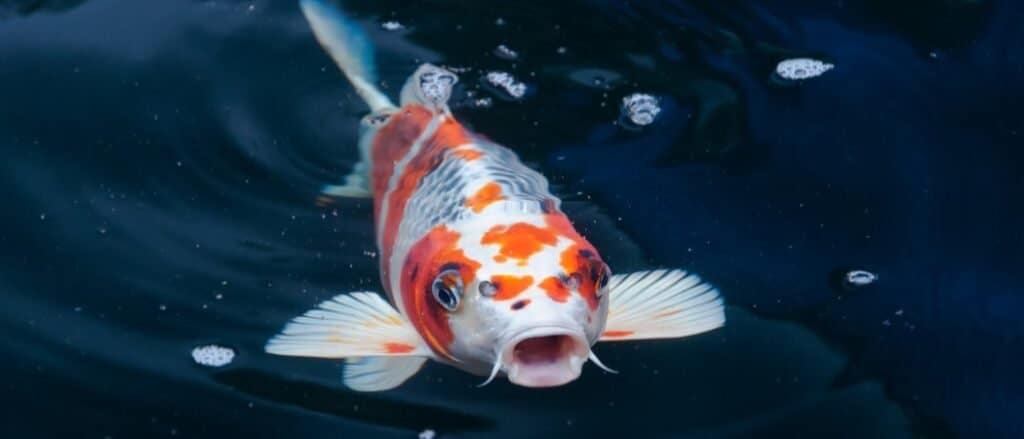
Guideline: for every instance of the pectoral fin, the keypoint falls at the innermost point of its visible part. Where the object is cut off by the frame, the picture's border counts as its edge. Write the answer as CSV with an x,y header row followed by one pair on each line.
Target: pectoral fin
x,y
383,349
661,304
373,374
358,324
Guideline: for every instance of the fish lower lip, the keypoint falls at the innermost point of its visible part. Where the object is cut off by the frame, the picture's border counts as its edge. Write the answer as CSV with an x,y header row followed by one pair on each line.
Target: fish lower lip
x,y
545,358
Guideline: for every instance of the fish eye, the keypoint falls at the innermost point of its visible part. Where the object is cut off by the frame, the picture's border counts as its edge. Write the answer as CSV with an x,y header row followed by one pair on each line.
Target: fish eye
x,y
447,289
488,289
602,280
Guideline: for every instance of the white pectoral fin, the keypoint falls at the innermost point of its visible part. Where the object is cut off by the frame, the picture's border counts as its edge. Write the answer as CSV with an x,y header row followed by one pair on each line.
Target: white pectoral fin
x,y
661,304
382,347
374,374
360,324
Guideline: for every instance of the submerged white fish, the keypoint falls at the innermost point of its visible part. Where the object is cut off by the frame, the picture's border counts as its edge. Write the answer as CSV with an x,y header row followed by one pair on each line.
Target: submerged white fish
x,y
483,270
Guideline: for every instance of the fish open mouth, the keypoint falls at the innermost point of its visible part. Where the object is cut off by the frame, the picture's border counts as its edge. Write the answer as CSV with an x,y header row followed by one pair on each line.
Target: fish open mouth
x,y
545,358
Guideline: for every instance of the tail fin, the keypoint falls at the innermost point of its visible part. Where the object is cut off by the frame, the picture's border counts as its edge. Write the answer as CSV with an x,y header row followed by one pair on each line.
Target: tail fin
x,y
349,46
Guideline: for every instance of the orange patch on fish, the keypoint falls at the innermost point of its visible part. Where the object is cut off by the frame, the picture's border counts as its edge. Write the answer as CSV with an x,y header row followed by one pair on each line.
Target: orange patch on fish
x,y
439,248
450,134
580,258
391,143
555,288
487,195
467,154
519,241
570,259
510,286
398,348
614,334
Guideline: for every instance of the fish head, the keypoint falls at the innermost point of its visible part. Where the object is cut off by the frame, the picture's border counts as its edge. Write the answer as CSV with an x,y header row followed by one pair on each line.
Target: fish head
x,y
527,298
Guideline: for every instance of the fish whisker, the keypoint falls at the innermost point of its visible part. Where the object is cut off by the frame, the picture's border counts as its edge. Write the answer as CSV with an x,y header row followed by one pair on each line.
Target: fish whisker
x,y
597,361
494,371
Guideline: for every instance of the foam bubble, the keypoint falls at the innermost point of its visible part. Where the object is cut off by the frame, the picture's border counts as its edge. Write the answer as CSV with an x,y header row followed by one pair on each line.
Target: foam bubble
x,y
507,83
504,52
640,109
798,69
860,278
392,25
213,355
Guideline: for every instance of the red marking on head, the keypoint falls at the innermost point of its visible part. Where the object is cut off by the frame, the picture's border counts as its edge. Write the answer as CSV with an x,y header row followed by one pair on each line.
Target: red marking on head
x,y
449,135
614,334
570,260
510,286
555,288
487,195
519,241
580,258
584,263
438,249
398,348
520,304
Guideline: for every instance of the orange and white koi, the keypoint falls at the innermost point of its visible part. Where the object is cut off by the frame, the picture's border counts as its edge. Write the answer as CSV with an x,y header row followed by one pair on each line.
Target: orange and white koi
x,y
483,270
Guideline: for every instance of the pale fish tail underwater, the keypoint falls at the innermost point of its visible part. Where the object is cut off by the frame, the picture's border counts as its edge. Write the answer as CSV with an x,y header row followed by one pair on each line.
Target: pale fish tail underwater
x,y
483,269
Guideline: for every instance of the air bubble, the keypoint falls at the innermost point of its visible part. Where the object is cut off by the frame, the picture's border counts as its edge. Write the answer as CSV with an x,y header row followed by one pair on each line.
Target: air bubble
x,y
213,355
436,85
859,278
639,109
506,83
504,52
799,69
392,25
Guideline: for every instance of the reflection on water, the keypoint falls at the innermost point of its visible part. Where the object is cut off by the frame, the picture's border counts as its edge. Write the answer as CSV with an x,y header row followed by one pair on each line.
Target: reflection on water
x,y
162,162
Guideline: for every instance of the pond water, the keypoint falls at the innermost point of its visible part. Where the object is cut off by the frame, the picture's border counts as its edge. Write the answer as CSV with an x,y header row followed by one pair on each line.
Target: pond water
x,y
162,161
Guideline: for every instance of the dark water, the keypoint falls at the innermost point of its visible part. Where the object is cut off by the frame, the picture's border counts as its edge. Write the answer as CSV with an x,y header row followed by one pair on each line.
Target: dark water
x,y
161,161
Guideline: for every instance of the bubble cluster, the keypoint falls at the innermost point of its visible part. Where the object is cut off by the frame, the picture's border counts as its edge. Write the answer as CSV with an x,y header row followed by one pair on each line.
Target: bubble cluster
x,y
859,278
798,69
392,25
436,85
213,355
484,102
504,52
640,109
507,83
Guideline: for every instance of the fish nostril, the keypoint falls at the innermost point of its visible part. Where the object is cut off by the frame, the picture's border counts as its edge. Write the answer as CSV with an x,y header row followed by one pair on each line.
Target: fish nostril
x,y
520,304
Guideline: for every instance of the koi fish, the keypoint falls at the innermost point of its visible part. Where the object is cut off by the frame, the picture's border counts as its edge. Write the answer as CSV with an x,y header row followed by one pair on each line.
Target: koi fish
x,y
482,269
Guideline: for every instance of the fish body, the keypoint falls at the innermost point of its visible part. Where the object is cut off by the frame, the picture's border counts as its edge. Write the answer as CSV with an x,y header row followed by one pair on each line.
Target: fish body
x,y
482,269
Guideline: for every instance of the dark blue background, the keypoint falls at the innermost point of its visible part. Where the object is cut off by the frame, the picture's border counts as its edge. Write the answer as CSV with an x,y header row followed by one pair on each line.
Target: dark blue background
x,y
161,155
